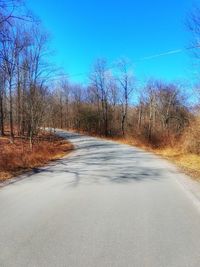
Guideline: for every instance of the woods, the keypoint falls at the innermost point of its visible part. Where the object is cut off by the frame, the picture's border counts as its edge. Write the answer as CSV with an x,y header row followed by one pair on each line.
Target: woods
x,y
161,114
23,53
113,103
99,133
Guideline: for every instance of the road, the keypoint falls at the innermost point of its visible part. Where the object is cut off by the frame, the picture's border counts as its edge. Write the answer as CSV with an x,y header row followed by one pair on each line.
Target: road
x,y
105,205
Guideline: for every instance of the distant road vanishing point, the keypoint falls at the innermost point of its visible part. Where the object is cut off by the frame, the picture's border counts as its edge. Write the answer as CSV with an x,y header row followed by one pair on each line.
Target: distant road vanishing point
x,y
104,205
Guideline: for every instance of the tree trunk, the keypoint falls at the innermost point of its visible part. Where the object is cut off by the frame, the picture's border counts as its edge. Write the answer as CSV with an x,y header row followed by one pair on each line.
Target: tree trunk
x,y
1,114
11,112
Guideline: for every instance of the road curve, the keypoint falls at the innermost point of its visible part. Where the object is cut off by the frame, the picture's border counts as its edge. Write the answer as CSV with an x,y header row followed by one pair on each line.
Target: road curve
x,y
105,205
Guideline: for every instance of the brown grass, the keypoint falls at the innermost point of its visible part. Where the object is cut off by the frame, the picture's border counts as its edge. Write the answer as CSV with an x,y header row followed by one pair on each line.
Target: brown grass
x,y
17,157
188,162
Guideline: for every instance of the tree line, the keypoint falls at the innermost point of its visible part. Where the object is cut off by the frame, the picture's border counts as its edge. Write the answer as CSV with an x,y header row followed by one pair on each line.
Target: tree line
x,y
111,104
105,107
24,70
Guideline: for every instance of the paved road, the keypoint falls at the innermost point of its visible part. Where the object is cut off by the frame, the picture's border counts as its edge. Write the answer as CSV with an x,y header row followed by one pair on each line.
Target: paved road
x,y
105,205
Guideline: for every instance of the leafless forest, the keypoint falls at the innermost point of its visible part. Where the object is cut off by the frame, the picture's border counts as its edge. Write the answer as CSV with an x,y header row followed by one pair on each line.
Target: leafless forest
x,y
113,103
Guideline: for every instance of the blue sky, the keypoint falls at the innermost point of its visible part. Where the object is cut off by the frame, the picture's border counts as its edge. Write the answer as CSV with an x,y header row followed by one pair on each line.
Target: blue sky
x,y
83,31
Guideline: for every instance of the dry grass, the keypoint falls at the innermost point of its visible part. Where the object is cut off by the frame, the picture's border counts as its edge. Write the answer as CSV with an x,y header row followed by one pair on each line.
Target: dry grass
x,y
17,157
188,162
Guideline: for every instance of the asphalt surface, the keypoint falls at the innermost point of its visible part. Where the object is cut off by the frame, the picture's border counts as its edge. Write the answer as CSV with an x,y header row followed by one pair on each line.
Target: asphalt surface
x,y
104,205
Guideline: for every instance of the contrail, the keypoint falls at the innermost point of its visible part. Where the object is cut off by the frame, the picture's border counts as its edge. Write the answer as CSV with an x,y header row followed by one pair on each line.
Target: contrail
x,y
171,52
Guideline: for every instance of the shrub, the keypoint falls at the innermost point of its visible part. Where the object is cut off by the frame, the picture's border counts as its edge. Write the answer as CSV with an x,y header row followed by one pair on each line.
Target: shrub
x,y
191,138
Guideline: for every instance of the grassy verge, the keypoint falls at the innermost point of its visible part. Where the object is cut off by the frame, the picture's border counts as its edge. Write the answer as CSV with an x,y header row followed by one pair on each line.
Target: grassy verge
x,y
17,157
189,163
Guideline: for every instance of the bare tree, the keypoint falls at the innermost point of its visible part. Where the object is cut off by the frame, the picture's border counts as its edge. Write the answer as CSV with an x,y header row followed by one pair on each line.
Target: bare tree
x,y
163,113
125,79
99,83
37,71
11,53
2,96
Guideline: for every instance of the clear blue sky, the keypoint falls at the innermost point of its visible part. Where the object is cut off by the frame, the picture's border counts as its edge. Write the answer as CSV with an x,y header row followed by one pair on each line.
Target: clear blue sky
x,y
83,31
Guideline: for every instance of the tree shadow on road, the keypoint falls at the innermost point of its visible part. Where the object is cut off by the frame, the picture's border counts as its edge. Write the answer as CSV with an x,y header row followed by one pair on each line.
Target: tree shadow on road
x,y
98,162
